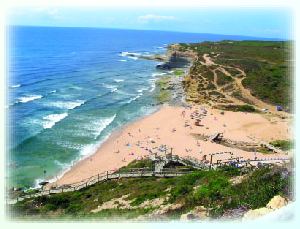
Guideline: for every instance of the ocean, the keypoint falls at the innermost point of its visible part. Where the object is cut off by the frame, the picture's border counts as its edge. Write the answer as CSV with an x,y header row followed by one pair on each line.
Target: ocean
x,y
70,88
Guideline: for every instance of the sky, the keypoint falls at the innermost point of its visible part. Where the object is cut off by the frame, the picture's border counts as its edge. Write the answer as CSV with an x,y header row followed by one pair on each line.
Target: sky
x,y
257,22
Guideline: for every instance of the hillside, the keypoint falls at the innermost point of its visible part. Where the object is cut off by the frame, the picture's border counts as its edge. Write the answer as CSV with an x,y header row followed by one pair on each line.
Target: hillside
x,y
227,192
240,72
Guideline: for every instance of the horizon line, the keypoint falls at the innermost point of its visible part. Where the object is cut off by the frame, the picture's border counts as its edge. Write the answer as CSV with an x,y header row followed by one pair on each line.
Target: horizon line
x,y
157,30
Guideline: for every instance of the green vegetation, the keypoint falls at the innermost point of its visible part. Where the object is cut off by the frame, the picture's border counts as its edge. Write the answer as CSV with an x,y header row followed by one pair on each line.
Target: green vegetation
x,y
265,150
146,163
223,79
178,72
212,189
266,63
233,72
283,144
163,95
239,108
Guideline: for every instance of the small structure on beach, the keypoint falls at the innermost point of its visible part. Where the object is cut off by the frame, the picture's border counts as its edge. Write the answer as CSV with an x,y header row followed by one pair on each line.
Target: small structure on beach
x,y
216,137
161,162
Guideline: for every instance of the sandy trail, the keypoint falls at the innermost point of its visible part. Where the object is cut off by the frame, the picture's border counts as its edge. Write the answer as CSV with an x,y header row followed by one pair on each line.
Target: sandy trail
x,y
246,93
173,127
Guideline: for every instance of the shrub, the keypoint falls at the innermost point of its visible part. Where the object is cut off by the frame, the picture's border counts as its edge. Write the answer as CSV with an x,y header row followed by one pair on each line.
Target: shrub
x,y
283,144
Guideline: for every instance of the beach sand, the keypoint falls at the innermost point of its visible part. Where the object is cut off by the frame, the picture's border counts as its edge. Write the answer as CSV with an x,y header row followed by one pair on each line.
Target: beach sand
x,y
174,127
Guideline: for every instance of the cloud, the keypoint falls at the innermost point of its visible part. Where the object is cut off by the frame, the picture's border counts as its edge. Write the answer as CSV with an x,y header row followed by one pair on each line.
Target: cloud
x,y
153,17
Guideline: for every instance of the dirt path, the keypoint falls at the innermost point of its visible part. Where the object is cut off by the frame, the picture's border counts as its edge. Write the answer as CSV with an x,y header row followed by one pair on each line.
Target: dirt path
x,y
259,104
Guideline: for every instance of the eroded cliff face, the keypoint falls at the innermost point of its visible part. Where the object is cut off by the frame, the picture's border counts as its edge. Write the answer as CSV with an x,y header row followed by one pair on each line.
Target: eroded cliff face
x,y
177,58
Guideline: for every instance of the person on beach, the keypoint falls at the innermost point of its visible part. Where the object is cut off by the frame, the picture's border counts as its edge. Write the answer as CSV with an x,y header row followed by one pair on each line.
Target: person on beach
x,y
183,113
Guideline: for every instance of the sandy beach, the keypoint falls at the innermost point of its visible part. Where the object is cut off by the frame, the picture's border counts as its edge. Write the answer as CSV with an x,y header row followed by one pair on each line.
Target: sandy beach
x,y
174,127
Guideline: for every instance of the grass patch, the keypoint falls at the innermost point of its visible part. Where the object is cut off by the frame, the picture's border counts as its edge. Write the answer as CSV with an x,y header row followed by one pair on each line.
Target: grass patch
x,y
283,144
178,72
146,163
163,95
239,108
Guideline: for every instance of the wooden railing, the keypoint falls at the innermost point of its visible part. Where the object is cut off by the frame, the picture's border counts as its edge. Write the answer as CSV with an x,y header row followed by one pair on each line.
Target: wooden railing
x,y
130,173
102,177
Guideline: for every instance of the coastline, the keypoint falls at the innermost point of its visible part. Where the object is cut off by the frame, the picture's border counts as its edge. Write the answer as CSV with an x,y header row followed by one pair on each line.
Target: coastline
x,y
173,126
146,135
114,134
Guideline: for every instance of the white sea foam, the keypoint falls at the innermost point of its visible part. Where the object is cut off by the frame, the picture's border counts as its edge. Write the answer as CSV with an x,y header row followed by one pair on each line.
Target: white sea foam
x,y
152,84
130,54
142,89
122,60
134,98
51,120
67,104
87,150
61,164
112,88
133,57
29,98
152,87
15,86
158,74
65,167
53,91
118,80
84,151
69,145
96,127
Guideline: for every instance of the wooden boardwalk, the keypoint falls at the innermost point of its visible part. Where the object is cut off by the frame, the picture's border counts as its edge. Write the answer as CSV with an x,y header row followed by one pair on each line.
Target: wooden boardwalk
x,y
142,172
134,173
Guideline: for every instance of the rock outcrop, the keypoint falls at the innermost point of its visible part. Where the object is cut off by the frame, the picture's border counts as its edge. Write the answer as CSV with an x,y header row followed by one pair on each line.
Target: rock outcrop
x,y
176,59
198,213
275,203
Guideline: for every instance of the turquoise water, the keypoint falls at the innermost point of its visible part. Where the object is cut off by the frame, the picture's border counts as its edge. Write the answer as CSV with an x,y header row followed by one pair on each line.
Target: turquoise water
x,y
69,88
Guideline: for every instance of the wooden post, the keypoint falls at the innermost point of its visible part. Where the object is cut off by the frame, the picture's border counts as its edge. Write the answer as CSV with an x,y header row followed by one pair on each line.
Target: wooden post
x,y
98,177
211,156
106,175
